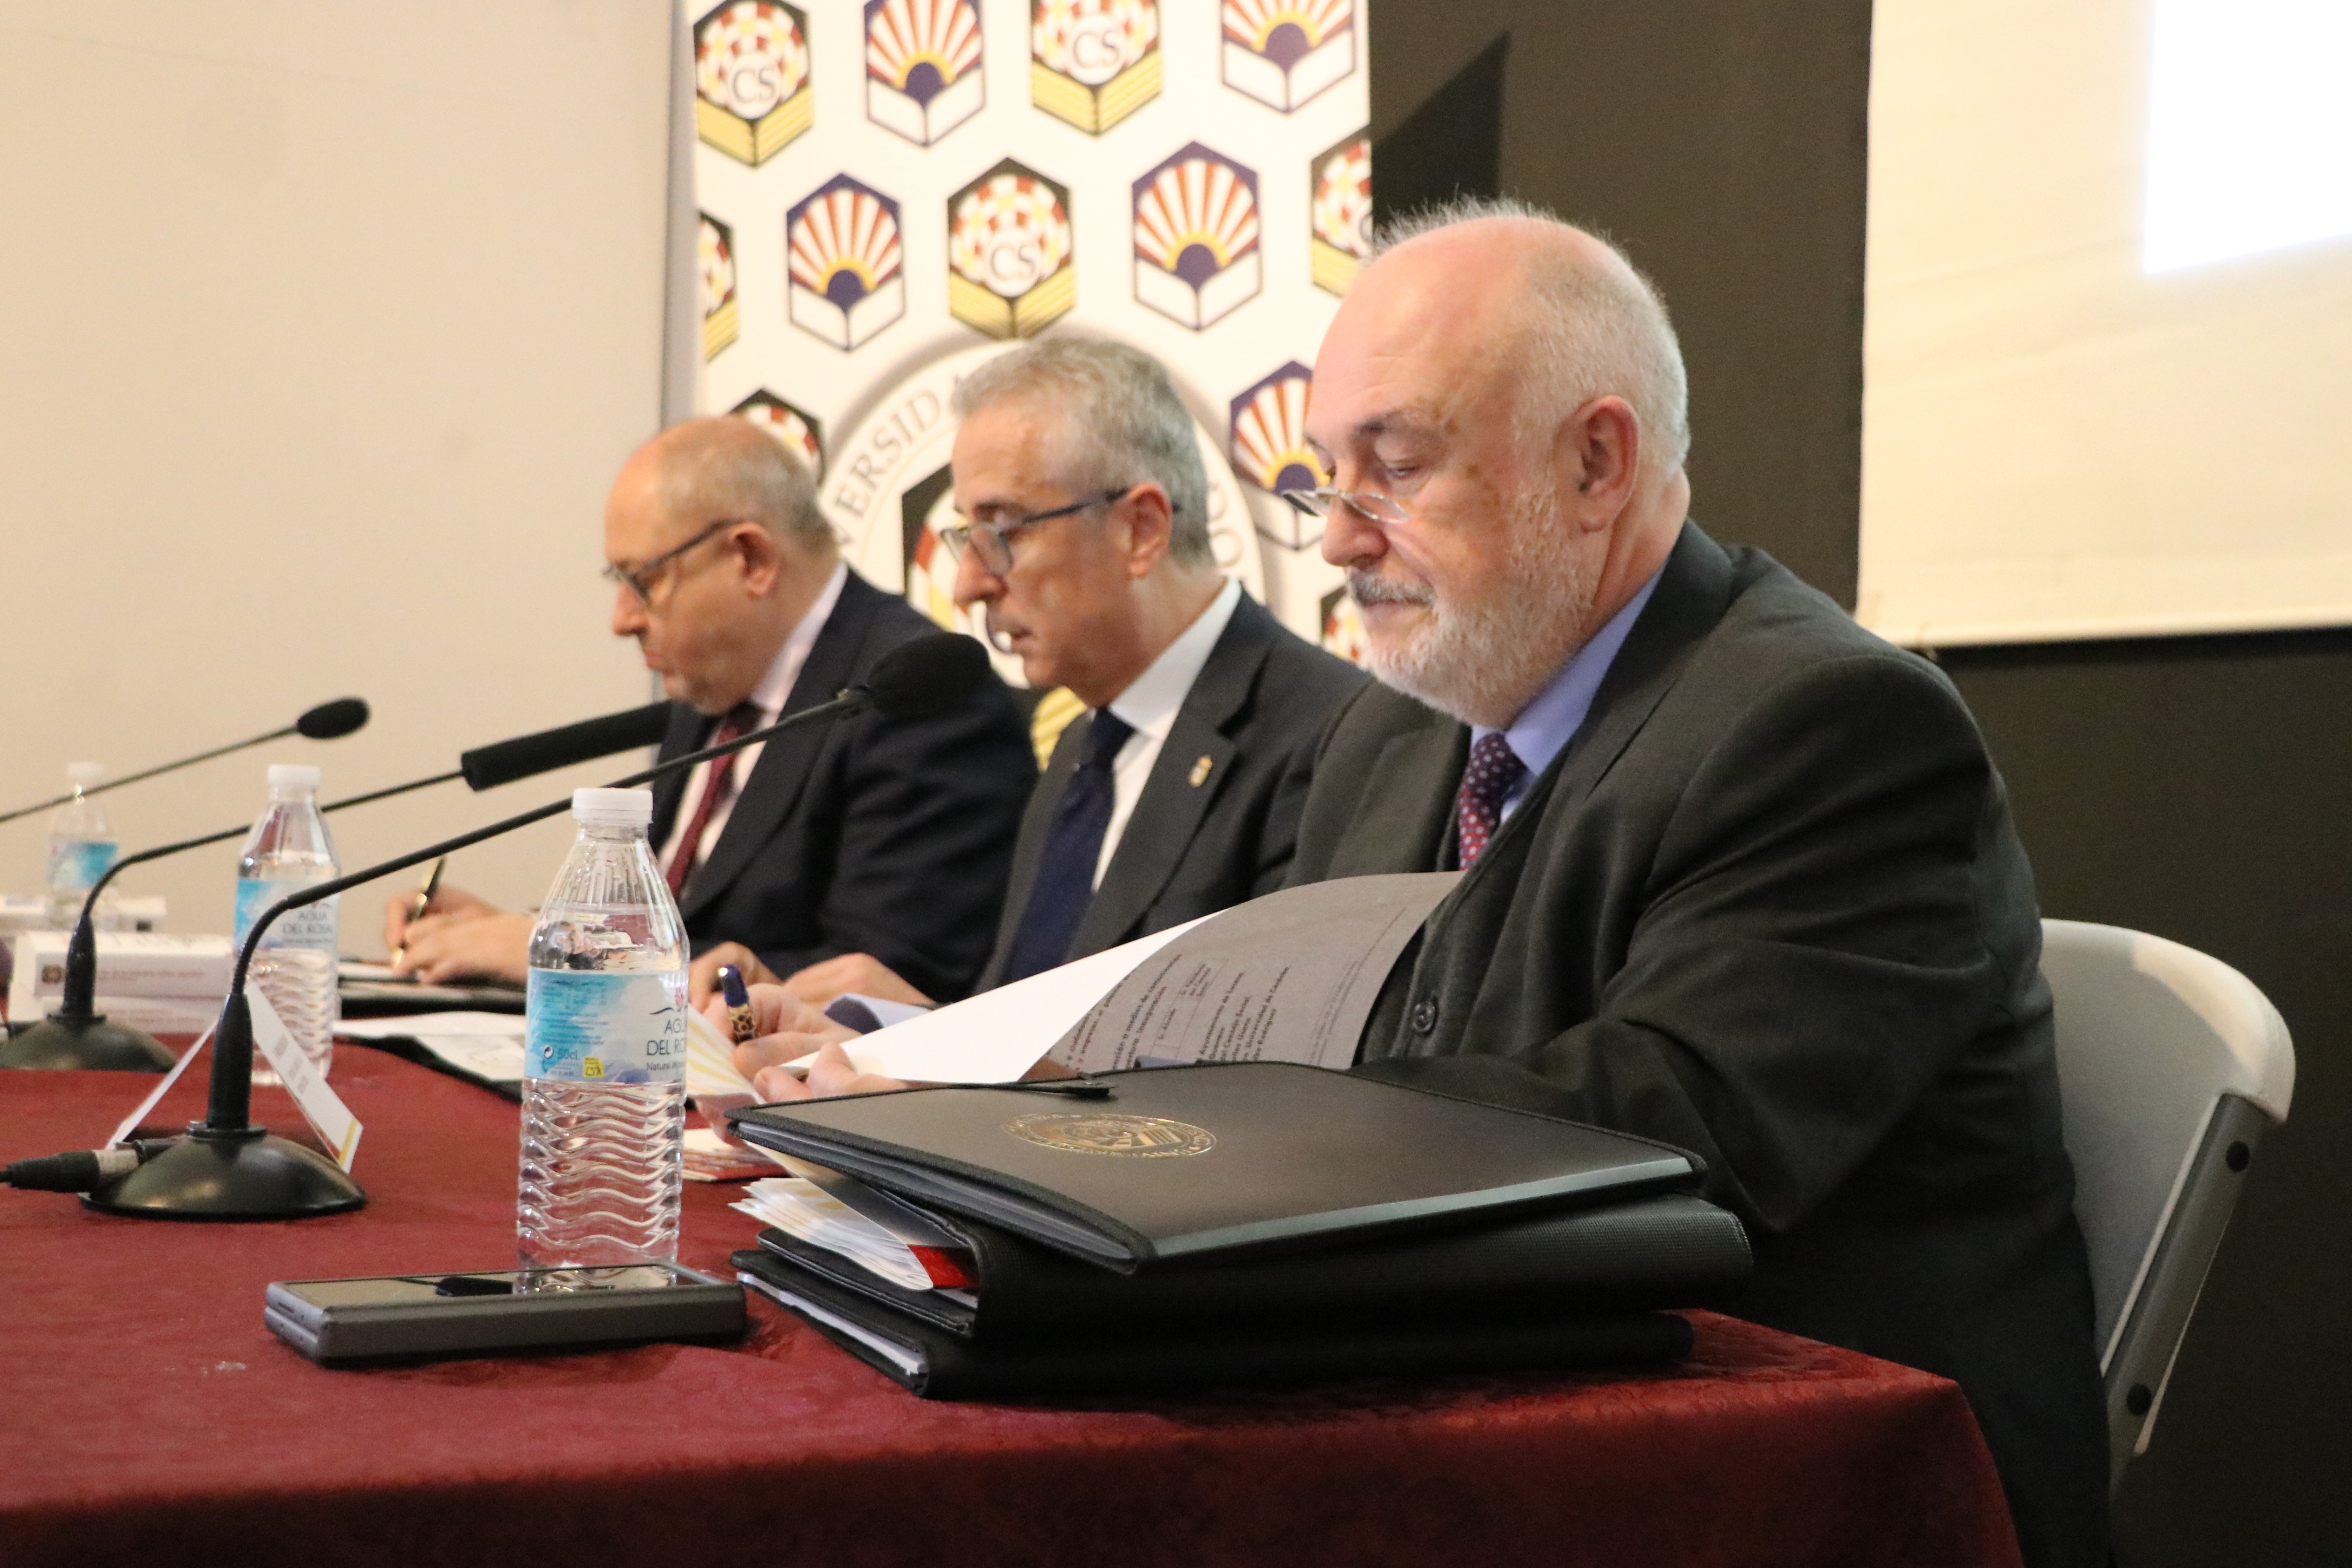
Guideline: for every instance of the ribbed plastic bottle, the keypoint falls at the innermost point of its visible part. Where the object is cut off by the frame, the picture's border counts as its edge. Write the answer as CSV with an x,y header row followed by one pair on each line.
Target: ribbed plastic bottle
x,y
295,964
603,1102
81,846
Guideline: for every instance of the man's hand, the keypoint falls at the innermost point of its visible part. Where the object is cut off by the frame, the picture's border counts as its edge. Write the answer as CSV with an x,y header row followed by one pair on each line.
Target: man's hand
x,y
702,978
832,1073
456,947
860,973
445,901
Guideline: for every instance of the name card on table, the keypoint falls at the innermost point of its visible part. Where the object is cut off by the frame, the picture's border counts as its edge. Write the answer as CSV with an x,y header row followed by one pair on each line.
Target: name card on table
x,y
322,1107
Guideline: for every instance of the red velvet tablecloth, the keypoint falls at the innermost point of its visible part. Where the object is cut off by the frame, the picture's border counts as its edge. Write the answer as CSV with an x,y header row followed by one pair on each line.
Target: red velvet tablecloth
x,y
149,1417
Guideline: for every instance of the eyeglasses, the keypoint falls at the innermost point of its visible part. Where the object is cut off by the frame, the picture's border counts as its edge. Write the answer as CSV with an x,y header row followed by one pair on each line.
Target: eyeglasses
x,y
1371,505
643,579
993,541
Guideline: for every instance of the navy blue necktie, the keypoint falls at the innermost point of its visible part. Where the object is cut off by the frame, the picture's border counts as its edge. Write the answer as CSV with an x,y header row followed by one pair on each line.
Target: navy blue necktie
x,y
1065,867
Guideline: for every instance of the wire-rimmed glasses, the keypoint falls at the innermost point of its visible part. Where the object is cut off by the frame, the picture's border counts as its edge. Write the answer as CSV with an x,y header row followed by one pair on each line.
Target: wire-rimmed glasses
x,y
993,541
1371,505
642,580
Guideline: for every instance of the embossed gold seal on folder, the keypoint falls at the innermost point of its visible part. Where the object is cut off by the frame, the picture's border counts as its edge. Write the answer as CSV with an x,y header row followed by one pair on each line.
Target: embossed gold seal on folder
x,y
1082,1132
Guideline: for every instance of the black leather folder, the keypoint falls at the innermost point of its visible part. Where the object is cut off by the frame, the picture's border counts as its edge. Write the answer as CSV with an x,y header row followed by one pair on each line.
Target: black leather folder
x,y
1669,1250
937,1365
1217,1160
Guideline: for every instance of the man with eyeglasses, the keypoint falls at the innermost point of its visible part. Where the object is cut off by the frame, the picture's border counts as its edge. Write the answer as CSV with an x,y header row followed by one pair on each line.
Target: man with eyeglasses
x,y
1085,544
1736,874
884,837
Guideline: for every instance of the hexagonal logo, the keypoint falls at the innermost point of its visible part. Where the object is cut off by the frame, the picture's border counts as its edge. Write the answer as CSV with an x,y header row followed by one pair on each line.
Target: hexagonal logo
x,y
752,87
799,430
1270,450
923,76
1010,267
1284,52
847,282
1340,209
1093,62
714,249
1342,626
1196,251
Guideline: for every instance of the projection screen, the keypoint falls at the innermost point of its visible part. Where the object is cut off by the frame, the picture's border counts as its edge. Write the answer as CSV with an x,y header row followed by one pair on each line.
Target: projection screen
x,y
2108,330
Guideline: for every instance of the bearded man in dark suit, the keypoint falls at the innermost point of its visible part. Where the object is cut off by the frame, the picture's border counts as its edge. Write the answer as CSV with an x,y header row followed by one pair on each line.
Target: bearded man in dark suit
x,y
1737,874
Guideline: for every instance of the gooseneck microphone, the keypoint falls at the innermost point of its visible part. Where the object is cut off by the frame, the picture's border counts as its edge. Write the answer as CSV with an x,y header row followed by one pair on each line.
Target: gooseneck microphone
x,y
76,1035
327,722
226,1168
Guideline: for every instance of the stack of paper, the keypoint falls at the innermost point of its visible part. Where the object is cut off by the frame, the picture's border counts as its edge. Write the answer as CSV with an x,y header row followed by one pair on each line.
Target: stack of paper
x,y
868,1226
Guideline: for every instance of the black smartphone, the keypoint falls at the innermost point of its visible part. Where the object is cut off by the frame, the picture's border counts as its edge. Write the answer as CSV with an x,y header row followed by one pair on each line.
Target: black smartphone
x,y
396,1315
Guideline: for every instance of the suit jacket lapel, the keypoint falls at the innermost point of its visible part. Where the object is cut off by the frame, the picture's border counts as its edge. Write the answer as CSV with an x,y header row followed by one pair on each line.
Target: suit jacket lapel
x,y
1035,818
768,796
1169,810
1693,590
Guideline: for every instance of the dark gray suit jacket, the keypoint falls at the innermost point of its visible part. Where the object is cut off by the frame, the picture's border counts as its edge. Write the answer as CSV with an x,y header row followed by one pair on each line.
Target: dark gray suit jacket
x,y
1768,904
1201,841
864,834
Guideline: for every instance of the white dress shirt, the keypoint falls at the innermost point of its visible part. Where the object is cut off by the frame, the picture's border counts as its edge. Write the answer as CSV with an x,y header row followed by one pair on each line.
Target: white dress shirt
x,y
775,688
1151,704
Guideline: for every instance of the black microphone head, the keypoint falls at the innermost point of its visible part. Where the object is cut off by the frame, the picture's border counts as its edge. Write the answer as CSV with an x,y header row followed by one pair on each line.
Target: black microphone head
x,y
333,720
486,767
928,675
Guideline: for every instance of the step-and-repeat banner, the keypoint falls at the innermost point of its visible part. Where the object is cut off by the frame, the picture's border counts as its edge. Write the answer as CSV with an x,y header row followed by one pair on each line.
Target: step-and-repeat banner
x,y
891,192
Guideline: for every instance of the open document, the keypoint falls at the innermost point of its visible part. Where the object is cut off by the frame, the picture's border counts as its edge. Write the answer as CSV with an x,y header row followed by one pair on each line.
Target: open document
x,y
1290,977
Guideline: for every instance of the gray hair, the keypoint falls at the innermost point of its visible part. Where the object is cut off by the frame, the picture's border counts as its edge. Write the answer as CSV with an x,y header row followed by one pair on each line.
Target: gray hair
x,y
1600,330
1121,424
724,467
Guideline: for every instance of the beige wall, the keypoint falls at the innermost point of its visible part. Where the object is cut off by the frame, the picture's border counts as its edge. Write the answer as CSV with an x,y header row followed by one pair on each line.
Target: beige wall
x,y
326,325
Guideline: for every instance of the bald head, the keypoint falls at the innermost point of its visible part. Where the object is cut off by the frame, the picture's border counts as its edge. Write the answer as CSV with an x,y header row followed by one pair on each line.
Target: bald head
x,y
1505,393
725,467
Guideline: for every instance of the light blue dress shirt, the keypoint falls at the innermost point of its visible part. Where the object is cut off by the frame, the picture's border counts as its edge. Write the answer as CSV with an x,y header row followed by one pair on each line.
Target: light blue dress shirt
x,y
1546,726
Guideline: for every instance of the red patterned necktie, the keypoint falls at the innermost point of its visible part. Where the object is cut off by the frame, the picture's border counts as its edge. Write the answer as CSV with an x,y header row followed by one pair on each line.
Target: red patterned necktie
x,y
718,784
1494,769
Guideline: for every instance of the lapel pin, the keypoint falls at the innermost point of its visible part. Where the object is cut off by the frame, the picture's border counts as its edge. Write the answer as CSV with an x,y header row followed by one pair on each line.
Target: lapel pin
x,y
1200,772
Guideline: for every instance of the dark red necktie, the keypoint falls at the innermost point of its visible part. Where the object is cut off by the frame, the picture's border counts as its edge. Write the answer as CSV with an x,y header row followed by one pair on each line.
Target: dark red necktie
x,y
1494,769
719,784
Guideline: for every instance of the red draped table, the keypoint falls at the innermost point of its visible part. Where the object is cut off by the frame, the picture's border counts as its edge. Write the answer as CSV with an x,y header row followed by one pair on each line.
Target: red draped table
x,y
149,1417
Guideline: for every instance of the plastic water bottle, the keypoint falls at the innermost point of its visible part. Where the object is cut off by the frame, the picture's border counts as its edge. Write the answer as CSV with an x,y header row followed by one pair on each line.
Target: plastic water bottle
x,y
295,966
81,846
603,1094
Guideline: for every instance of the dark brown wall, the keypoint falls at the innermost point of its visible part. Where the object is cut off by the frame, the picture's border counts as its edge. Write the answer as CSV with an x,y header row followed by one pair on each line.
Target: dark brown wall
x,y
2199,788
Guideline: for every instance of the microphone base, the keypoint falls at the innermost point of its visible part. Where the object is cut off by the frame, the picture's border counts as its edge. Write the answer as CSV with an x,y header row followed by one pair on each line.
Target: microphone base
x,y
64,1043
230,1174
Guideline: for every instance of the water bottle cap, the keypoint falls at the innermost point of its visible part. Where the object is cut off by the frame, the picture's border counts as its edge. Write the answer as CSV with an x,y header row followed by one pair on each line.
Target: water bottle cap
x,y
293,775
86,774
613,807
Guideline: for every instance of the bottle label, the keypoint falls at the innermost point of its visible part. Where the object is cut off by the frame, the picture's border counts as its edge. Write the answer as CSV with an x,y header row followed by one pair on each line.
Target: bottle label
x,y
311,926
603,1026
78,862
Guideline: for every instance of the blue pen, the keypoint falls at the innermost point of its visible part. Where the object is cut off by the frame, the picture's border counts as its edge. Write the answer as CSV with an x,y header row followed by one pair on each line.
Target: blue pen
x,y
740,1023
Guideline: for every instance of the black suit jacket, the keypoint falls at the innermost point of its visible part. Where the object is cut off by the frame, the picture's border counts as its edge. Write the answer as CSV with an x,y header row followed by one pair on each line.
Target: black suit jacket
x,y
1768,904
1201,841
864,834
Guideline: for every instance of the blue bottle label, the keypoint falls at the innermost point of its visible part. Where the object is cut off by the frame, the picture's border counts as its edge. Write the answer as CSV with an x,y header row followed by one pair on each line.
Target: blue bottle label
x,y
311,926
78,862
601,1027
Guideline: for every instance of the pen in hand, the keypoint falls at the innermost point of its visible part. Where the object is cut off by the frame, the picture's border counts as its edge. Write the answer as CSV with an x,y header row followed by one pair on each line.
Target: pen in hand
x,y
423,902
742,1024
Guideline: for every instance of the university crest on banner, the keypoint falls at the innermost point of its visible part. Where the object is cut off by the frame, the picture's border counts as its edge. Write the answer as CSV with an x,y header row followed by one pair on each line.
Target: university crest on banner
x,y
800,432
1012,265
847,265
1094,62
923,75
1285,52
1196,233
751,84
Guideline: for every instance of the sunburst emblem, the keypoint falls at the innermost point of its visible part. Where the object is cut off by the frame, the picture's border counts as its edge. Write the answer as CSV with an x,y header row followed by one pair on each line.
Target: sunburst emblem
x,y
715,258
1270,450
1196,233
923,75
1094,62
1009,252
1284,52
752,87
847,282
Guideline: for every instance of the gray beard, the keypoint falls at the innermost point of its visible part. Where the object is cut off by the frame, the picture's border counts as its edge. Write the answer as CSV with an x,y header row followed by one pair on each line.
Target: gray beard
x,y
1484,663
